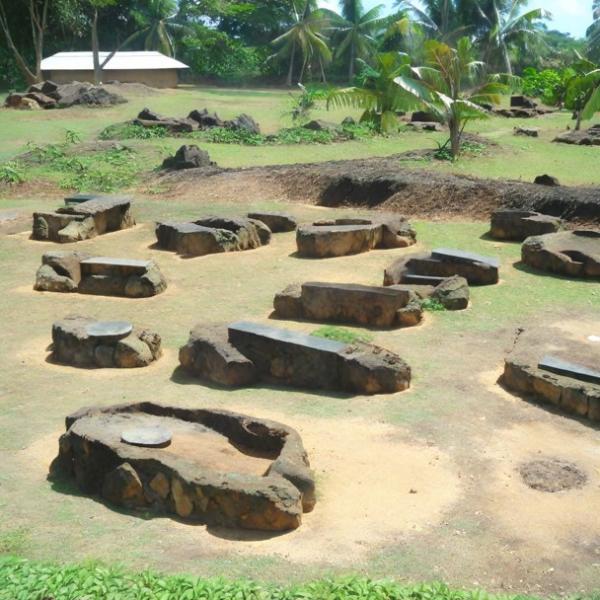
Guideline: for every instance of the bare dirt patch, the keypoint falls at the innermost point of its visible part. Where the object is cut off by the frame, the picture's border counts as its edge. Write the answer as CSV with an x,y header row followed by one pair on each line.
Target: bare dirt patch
x,y
552,475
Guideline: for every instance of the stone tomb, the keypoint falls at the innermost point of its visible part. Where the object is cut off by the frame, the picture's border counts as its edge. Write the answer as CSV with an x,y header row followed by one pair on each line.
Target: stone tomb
x,y
209,466
572,253
432,268
342,237
245,353
212,235
99,275
517,225
85,342
556,367
83,220
375,306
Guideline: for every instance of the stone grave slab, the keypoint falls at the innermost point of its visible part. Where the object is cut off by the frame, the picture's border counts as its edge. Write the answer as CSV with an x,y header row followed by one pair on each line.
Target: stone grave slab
x,y
220,468
569,369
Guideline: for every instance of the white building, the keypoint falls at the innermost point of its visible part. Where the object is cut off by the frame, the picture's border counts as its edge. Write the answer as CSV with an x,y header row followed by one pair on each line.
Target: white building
x,y
152,68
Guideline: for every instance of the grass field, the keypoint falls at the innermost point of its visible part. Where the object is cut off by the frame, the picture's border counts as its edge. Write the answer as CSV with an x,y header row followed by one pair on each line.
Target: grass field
x,y
416,486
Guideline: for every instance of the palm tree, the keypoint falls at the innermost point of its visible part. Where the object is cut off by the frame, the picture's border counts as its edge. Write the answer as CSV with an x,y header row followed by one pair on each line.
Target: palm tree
x,y
305,36
441,19
506,25
357,30
439,87
582,94
156,23
593,32
379,97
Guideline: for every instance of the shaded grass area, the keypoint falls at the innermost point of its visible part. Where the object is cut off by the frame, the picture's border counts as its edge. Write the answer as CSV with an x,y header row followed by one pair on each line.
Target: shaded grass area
x,y
513,158
22,579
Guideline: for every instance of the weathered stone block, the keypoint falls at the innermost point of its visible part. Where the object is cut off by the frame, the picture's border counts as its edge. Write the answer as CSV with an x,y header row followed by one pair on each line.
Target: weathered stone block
x,y
520,224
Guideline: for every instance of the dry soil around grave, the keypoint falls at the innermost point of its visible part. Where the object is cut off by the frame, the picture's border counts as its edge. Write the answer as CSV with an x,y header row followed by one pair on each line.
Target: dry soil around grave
x,y
419,485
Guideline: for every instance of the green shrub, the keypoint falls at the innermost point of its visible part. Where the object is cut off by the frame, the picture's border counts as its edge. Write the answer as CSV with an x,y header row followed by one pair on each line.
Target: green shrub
x,y
549,85
339,334
432,305
222,135
11,173
131,131
301,135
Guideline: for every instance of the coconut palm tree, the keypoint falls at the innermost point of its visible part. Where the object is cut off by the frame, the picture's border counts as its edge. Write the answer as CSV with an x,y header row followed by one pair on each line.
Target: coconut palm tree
x,y
582,93
447,87
441,19
593,32
157,22
305,37
379,97
504,25
357,30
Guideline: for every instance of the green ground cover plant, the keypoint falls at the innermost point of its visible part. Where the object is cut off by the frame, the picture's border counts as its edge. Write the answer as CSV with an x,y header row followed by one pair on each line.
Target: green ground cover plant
x,y
26,580
340,334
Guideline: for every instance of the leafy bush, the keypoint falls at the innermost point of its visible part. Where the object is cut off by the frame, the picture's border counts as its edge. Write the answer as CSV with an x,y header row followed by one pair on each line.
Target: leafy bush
x,y
11,173
222,135
301,104
548,85
432,305
339,334
131,131
300,135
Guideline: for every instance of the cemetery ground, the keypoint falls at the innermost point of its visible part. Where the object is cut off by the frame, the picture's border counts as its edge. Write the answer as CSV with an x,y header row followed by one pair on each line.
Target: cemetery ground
x,y
415,486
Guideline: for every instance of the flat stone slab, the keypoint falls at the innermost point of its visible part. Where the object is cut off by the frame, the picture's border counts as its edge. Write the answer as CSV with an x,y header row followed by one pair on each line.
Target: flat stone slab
x,y
109,329
147,437
347,236
432,268
212,235
469,258
349,303
557,365
84,342
569,369
220,468
83,217
104,276
571,253
518,225
260,352
277,222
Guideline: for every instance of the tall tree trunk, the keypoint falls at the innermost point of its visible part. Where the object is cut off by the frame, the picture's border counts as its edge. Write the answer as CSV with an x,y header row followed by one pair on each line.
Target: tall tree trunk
x,y
578,122
302,71
291,69
506,58
351,66
323,76
454,127
29,76
96,49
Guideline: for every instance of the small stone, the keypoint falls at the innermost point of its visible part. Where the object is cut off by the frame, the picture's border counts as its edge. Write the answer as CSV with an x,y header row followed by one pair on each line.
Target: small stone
x,y
548,180
183,503
132,352
123,487
160,484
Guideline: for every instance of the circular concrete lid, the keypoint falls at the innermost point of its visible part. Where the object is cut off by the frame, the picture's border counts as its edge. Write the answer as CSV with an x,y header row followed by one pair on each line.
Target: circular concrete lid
x,y
109,329
153,436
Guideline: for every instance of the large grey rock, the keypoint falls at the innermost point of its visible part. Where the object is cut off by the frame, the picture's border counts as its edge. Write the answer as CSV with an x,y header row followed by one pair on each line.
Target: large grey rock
x,y
352,236
589,137
349,303
434,267
188,157
453,293
73,344
209,355
572,253
275,221
212,235
513,224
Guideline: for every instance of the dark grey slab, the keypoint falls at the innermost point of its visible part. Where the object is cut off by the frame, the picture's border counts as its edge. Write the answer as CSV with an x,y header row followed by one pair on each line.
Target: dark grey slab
x,y
553,364
354,287
422,279
116,262
340,228
464,257
289,337
109,329
149,437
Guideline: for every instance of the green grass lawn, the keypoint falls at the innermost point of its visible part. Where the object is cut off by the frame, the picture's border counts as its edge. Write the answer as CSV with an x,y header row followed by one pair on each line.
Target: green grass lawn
x,y
514,157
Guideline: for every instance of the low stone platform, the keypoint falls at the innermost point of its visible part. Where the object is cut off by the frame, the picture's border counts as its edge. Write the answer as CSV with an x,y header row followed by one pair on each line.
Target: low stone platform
x,y
83,220
556,367
589,137
213,466
277,222
349,303
245,353
342,237
433,267
98,275
517,225
572,253
212,235
85,342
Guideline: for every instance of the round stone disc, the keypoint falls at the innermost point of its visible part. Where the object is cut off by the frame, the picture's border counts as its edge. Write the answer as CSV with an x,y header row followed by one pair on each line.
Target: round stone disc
x,y
148,437
109,329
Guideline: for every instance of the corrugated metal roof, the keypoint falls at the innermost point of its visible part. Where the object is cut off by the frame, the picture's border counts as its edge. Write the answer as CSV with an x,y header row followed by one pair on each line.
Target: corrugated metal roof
x,y
121,61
